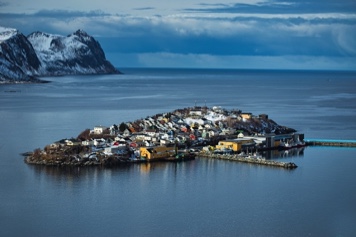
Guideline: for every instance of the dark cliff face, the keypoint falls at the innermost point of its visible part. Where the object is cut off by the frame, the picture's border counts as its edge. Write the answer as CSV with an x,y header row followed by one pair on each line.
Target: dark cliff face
x,y
40,54
18,59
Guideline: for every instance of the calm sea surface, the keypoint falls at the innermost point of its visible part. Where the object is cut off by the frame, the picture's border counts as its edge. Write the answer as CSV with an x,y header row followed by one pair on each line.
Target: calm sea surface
x,y
196,198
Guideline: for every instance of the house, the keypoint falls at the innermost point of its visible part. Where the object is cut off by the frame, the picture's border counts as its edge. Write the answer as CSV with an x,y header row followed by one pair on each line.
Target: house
x,y
195,112
228,131
142,143
99,129
72,142
234,145
246,115
158,152
119,143
120,150
132,129
150,132
138,136
184,128
113,129
99,142
55,145
88,143
180,121
111,150
126,133
164,142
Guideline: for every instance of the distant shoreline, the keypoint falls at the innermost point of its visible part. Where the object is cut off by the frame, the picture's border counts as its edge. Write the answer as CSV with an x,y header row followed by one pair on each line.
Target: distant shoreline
x,y
37,80
31,81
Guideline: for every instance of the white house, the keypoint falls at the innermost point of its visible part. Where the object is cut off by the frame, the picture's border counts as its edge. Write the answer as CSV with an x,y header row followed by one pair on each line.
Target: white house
x,y
88,143
196,112
126,133
99,129
110,150
150,132
99,142
72,142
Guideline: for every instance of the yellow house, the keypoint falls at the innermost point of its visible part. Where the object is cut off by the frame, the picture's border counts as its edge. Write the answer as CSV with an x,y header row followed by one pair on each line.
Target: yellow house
x,y
158,152
234,145
246,115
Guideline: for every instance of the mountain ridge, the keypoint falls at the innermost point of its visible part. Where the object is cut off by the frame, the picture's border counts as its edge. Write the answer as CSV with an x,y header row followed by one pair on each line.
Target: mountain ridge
x,y
25,59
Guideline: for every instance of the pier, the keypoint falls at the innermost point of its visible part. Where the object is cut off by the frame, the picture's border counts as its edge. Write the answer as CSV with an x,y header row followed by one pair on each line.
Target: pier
x,y
249,159
330,142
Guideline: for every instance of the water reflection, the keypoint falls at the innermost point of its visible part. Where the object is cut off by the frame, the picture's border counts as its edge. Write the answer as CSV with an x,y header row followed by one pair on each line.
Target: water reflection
x,y
72,173
289,153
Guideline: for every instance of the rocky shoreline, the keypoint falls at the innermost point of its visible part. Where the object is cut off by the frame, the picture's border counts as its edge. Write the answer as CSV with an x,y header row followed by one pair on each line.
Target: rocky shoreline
x,y
100,160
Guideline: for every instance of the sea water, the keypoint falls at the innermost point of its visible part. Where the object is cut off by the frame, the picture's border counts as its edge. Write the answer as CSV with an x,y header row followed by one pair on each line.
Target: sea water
x,y
196,198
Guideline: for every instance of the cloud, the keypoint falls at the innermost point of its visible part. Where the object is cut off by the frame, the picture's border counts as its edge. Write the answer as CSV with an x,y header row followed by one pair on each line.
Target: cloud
x,y
319,35
171,60
346,40
282,7
144,8
4,4
237,36
202,38
67,14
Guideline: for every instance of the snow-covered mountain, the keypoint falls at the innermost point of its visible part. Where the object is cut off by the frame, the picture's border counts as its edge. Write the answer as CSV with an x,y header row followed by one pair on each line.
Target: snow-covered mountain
x,y
78,53
40,54
18,59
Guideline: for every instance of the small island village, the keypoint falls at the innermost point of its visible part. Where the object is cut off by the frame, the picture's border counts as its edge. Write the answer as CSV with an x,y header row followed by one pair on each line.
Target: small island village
x,y
180,135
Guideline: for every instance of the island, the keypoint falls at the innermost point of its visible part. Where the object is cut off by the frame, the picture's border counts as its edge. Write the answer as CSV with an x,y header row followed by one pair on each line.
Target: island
x,y
179,135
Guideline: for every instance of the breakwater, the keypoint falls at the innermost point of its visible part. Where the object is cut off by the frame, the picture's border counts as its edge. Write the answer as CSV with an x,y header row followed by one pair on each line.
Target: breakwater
x,y
326,142
249,159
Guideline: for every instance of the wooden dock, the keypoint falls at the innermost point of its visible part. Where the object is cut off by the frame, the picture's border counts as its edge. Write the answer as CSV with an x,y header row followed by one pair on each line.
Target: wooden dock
x,y
249,159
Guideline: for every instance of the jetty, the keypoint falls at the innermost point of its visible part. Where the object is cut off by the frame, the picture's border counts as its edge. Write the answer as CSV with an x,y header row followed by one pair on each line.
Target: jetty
x,y
330,142
249,159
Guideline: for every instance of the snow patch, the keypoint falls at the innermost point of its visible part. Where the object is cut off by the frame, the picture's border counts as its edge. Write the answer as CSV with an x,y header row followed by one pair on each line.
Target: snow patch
x,y
7,33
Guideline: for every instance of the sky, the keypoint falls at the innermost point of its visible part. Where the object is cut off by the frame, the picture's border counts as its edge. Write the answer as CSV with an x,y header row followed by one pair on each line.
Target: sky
x,y
237,34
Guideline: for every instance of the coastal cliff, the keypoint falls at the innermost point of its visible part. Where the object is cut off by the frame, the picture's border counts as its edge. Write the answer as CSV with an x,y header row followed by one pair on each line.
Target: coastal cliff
x,y
25,59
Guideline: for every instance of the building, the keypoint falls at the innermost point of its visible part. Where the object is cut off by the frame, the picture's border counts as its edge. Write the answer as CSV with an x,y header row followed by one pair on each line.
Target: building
x,y
234,145
246,115
72,142
99,129
158,152
195,112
